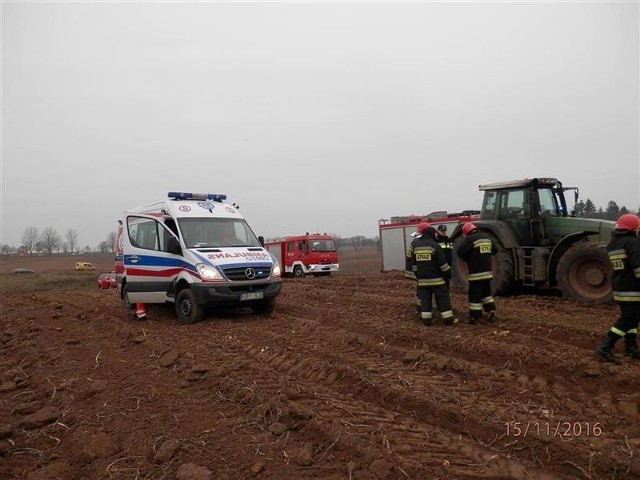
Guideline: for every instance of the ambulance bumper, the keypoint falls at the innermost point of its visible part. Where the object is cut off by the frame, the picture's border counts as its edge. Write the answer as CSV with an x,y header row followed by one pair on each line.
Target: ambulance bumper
x,y
231,295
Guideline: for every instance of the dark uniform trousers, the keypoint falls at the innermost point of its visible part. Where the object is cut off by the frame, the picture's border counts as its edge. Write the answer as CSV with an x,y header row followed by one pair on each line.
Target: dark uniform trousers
x,y
627,325
442,298
480,298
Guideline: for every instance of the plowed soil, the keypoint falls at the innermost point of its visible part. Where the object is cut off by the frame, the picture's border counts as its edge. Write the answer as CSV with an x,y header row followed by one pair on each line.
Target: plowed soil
x,y
341,382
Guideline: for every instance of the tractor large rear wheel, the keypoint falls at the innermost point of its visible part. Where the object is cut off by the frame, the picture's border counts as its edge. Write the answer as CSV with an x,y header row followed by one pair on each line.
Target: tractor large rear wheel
x,y
584,273
502,265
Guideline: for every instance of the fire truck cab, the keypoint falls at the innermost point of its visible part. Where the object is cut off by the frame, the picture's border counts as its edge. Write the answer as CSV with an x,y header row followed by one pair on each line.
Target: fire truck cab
x,y
197,251
314,254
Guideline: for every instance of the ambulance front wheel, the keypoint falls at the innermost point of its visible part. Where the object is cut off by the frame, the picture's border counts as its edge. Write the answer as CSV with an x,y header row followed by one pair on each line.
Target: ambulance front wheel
x,y
298,272
266,307
187,309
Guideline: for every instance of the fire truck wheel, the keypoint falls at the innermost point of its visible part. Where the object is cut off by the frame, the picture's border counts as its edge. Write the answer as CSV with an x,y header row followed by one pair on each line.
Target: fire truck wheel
x,y
265,307
298,272
187,309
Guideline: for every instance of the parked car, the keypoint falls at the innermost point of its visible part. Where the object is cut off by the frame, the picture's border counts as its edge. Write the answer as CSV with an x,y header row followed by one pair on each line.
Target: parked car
x,y
22,270
84,266
107,280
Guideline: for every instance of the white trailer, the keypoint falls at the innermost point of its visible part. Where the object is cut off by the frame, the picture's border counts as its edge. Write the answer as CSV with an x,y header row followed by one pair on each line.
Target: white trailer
x,y
395,234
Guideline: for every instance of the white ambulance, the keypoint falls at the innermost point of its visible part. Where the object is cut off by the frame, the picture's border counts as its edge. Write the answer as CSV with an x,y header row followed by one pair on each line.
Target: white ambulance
x,y
196,251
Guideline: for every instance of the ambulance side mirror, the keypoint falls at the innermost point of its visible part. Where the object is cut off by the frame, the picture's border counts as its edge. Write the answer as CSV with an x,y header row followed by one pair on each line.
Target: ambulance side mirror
x,y
261,240
173,246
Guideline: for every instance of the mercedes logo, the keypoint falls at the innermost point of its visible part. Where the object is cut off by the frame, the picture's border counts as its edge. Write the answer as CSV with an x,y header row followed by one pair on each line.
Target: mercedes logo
x,y
250,273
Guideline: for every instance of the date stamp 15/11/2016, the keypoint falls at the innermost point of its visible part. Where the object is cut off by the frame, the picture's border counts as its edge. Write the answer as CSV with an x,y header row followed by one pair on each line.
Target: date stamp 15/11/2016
x,y
554,429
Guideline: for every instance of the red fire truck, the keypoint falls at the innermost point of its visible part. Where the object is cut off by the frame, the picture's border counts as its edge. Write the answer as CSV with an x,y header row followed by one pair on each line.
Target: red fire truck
x,y
395,233
312,253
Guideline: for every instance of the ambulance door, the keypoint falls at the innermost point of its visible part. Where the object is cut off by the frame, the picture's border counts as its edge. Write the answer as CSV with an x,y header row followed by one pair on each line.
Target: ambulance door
x,y
149,268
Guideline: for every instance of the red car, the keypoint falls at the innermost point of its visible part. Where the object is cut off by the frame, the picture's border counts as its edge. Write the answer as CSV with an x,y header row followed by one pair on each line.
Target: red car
x,y
107,280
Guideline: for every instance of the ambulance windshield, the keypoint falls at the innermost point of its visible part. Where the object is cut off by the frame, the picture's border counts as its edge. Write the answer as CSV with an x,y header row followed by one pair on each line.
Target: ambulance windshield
x,y
217,232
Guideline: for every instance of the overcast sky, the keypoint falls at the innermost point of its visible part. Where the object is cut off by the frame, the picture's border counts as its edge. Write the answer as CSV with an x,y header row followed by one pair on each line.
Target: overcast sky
x,y
322,116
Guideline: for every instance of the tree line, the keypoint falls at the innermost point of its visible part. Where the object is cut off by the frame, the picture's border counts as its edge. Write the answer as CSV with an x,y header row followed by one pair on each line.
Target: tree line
x,y
612,211
50,242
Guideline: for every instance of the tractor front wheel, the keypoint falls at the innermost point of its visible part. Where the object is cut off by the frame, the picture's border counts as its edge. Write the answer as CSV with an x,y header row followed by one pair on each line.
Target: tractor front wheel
x,y
584,273
502,266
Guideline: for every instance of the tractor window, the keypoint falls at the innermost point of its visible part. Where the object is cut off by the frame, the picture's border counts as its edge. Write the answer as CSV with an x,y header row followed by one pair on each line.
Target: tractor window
x,y
548,203
489,205
513,204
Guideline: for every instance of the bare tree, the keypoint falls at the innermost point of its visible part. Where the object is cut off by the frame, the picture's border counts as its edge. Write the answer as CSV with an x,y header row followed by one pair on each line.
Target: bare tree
x,y
50,239
72,239
8,249
30,238
39,247
111,241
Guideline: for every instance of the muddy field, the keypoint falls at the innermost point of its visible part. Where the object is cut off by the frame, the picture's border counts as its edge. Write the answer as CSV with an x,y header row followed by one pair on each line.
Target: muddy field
x,y
342,382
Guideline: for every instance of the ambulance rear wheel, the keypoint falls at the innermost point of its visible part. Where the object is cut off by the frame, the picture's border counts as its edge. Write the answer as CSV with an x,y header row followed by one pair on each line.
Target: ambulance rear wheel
x,y
187,309
125,298
298,272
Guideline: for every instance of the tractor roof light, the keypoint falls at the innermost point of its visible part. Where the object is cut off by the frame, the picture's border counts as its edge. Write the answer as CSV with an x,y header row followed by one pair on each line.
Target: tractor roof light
x,y
216,197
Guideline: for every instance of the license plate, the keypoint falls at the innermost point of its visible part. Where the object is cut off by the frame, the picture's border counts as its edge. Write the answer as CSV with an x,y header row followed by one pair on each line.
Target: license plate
x,y
251,296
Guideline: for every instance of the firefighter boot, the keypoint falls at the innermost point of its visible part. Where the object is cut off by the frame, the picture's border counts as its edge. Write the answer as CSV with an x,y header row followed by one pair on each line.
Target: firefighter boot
x,y
631,347
141,311
474,317
605,350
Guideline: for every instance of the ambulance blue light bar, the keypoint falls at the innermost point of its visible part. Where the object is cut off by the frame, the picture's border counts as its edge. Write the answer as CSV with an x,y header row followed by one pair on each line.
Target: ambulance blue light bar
x,y
216,197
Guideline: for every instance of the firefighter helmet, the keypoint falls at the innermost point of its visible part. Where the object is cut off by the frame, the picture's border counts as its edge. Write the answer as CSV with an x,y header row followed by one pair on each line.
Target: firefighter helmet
x,y
468,228
422,226
442,228
628,221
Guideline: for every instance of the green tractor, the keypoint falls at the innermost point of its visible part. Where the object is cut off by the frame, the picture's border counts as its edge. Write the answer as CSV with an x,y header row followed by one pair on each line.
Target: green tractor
x,y
539,243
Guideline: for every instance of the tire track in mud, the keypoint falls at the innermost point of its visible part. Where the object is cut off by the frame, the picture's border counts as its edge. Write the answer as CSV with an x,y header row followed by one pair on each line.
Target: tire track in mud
x,y
495,385
318,367
343,381
368,421
543,394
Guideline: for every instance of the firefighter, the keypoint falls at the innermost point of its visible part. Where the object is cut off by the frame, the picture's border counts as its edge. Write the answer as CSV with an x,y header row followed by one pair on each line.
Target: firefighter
x,y
427,262
445,243
476,250
624,256
408,271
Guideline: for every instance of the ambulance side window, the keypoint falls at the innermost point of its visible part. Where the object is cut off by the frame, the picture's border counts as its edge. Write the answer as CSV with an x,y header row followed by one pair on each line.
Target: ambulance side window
x,y
143,233
166,235
169,222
